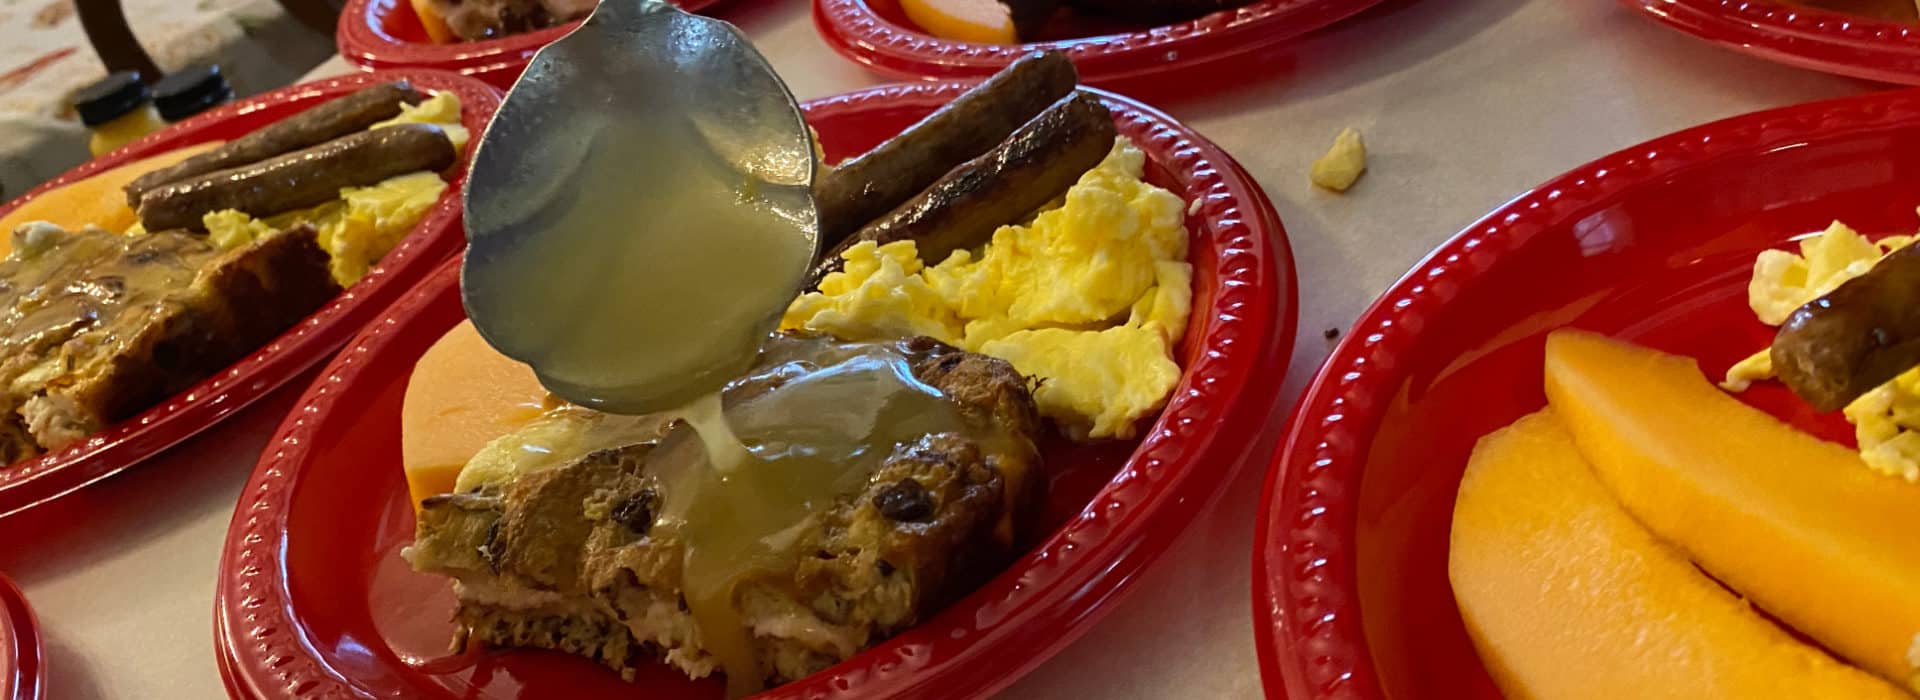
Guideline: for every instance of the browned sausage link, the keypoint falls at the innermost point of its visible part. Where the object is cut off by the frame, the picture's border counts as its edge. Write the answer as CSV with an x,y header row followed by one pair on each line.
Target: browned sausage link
x,y
1855,338
299,179
870,185
325,122
1034,165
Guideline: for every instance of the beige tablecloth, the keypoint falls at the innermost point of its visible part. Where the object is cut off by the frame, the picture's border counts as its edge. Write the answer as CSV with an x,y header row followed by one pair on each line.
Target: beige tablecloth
x,y
1464,103
45,57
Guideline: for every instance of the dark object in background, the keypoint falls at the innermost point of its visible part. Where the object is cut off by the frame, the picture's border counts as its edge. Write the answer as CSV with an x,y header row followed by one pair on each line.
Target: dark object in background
x,y
107,30
1030,16
1156,11
113,97
117,110
184,93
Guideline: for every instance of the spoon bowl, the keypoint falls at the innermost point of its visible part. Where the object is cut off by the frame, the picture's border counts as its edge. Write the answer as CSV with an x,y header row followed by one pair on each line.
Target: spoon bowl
x,y
640,211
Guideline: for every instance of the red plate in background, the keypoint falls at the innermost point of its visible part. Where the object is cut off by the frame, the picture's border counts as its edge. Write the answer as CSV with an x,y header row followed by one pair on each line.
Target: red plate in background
x,y
437,237
1655,245
22,669
1833,42
877,34
377,34
315,601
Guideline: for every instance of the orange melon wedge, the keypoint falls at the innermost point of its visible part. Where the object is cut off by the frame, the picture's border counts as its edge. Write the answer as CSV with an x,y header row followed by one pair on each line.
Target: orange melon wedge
x,y
1566,596
978,21
97,200
462,395
433,22
1796,524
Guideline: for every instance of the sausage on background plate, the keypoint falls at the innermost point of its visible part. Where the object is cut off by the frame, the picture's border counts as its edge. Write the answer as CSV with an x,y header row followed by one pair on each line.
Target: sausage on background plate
x,y
1857,337
1032,167
868,186
324,122
299,179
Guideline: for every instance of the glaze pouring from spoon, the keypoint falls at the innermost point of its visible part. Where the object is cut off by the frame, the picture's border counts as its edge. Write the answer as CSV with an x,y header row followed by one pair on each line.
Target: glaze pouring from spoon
x,y
640,211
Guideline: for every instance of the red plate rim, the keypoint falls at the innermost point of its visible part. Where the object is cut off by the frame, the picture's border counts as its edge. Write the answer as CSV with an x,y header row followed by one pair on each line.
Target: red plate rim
x,y
854,30
362,42
1822,40
1305,602
31,482
23,670
1066,582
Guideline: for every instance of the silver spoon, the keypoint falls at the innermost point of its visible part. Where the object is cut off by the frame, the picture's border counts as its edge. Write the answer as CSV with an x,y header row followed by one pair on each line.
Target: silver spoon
x,y
640,211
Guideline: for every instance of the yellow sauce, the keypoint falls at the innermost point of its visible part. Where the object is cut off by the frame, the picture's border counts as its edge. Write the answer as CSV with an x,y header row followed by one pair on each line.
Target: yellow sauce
x,y
813,424
124,130
556,438
61,283
816,438
724,450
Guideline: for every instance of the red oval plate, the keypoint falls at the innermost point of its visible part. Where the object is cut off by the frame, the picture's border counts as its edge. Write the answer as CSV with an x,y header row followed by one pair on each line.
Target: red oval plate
x,y
1852,45
315,601
376,34
1654,244
22,670
435,238
877,34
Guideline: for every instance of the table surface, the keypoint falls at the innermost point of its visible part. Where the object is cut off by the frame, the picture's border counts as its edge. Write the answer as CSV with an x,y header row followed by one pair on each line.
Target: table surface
x,y
1464,103
46,57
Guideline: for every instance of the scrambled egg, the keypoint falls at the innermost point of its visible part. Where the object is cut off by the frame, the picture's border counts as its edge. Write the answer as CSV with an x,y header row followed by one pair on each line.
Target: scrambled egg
x,y
879,293
1047,296
366,222
355,230
1886,420
442,110
1783,281
1758,367
1343,163
1884,423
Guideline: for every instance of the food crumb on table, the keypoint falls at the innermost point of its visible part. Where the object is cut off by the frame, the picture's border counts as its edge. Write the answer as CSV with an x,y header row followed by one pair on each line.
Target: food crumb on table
x,y
1343,163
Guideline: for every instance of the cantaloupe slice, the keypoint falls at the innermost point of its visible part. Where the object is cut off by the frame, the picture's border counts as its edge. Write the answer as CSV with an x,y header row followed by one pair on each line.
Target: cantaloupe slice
x,y
1565,596
1796,524
979,21
462,395
435,23
96,201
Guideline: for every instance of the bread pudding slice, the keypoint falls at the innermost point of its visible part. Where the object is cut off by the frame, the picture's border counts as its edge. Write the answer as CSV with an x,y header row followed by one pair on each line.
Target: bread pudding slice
x,y
592,557
96,326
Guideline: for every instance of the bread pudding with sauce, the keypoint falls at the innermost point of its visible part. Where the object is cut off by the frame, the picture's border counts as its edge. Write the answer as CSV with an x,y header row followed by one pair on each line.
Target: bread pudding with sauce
x,y
604,554
96,326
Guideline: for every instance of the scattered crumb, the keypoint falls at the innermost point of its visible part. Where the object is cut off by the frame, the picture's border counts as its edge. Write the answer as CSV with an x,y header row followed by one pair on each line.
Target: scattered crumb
x,y
1343,163
1193,207
1331,333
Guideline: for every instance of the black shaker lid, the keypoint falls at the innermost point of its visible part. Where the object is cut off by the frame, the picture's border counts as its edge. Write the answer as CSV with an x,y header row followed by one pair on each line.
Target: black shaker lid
x,y
111,98
184,93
